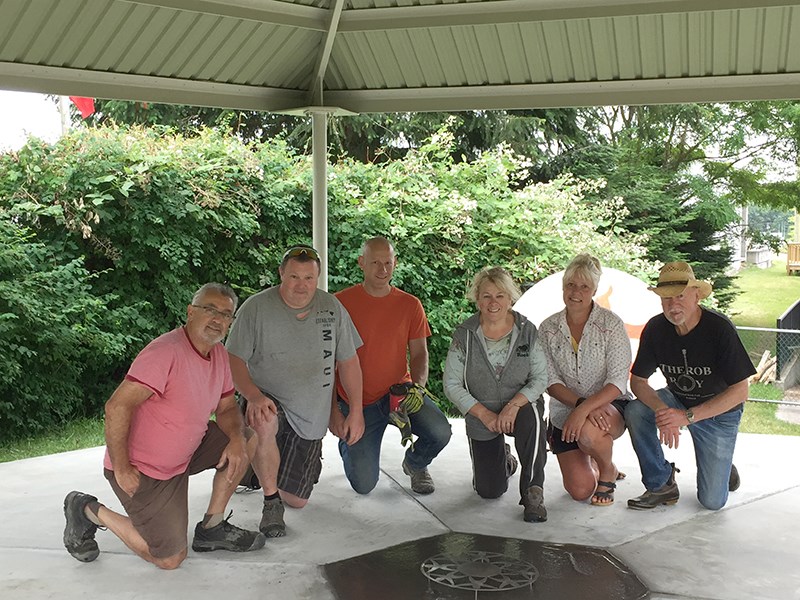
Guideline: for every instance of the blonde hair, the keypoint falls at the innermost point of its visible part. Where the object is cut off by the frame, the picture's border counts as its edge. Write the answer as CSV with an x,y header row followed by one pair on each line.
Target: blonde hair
x,y
583,266
498,276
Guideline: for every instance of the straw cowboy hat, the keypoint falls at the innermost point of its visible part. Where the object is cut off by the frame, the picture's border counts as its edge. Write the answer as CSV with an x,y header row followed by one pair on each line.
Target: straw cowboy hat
x,y
675,277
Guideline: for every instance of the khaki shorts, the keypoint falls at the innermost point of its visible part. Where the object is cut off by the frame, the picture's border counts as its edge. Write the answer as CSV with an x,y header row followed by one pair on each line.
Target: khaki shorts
x,y
159,509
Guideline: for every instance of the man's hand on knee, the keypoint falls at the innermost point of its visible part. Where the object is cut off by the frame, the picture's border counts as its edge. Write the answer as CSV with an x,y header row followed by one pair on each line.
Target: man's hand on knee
x,y
234,459
261,410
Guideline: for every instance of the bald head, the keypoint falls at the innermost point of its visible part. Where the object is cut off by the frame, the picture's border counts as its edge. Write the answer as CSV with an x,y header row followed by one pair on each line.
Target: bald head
x,y
377,243
377,261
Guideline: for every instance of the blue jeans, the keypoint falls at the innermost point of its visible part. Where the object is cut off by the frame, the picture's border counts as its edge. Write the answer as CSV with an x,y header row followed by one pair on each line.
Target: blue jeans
x,y
714,440
362,459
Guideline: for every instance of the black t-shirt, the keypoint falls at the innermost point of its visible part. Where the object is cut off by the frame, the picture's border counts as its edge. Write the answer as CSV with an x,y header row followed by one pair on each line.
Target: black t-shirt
x,y
698,365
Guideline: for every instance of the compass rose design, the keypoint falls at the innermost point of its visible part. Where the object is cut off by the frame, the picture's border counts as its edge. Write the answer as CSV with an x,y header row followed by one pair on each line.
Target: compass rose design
x,y
479,571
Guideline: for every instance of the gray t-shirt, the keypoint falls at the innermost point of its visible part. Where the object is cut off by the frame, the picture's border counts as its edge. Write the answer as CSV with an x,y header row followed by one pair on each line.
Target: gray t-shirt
x,y
293,360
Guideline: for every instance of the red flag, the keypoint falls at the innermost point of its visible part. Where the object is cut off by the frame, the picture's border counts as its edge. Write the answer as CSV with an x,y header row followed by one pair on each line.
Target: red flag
x,y
85,105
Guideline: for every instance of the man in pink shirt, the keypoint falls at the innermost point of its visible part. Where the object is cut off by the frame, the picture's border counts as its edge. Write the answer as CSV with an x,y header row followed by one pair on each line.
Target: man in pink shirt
x,y
158,433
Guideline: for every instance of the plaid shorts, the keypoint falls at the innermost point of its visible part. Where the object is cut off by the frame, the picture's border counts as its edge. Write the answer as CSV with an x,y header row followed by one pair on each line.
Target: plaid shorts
x,y
301,459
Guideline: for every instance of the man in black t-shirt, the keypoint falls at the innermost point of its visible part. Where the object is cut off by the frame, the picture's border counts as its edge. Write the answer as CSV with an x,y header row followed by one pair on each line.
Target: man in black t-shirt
x,y
706,368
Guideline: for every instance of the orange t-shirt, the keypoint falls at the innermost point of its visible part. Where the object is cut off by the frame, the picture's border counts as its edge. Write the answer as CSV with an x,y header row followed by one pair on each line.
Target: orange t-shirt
x,y
385,325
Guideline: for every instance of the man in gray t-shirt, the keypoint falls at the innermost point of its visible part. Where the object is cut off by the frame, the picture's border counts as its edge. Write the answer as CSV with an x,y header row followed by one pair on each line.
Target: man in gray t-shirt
x,y
286,347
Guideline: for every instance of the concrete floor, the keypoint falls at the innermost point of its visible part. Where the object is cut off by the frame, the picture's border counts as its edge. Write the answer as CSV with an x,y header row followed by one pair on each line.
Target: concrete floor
x,y
747,550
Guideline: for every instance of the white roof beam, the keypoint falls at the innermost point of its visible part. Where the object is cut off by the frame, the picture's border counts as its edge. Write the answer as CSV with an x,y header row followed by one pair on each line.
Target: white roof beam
x,y
262,11
595,93
76,82
324,56
527,11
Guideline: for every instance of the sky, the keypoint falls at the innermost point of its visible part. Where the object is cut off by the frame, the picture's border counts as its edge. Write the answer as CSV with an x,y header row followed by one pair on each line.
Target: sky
x,y
23,114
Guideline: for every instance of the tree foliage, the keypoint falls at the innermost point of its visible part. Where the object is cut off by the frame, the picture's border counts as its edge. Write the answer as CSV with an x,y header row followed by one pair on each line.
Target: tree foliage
x,y
61,343
153,214
368,137
105,235
680,170
109,231
450,219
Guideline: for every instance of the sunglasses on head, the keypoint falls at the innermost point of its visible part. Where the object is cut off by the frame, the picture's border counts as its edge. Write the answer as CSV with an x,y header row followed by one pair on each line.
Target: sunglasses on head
x,y
300,251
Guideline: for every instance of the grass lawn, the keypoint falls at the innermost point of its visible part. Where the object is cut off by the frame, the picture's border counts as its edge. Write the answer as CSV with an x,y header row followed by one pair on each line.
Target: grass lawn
x,y
85,433
765,295
759,417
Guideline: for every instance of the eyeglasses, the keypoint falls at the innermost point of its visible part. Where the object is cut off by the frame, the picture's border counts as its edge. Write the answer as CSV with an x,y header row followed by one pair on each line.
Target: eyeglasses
x,y
213,312
300,251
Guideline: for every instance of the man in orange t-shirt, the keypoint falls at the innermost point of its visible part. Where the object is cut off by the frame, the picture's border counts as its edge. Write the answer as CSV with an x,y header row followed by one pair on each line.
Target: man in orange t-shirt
x,y
394,329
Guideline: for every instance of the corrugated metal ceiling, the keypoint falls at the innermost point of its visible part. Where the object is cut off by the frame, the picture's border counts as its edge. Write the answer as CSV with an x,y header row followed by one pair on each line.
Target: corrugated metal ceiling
x,y
377,55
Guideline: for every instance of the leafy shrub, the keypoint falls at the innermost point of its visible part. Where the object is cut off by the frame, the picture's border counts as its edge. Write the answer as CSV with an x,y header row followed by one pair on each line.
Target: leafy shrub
x,y
156,215
60,343
448,220
109,231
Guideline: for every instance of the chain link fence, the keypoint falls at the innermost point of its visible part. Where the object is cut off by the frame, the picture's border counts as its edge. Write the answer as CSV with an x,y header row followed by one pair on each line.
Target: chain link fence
x,y
776,356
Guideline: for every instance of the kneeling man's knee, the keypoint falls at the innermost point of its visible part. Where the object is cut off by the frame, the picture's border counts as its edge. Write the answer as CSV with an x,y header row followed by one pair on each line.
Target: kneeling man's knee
x,y
491,491
711,503
171,562
293,501
360,486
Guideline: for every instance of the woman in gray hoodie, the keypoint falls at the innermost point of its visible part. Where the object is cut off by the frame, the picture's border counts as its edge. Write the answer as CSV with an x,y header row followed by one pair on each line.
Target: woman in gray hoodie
x,y
495,374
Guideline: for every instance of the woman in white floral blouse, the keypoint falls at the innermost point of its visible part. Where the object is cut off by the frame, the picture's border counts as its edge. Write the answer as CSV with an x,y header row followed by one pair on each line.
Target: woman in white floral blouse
x,y
588,361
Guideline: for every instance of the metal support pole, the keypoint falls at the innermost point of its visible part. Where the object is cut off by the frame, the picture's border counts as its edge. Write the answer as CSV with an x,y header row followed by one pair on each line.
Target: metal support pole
x,y
319,151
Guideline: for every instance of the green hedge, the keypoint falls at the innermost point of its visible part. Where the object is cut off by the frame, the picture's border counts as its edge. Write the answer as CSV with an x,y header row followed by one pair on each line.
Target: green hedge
x,y
106,234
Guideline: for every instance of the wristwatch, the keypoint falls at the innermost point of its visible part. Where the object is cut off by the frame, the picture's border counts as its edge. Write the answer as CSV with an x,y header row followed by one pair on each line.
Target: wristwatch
x,y
690,416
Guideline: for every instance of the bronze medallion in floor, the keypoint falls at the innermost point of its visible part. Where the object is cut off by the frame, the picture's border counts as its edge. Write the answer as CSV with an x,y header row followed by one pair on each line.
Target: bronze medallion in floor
x,y
457,566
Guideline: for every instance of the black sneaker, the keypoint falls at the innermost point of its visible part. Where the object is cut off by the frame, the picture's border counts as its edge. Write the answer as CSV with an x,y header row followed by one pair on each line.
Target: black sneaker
x,y
79,532
533,503
734,481
667,494
272,523
226,536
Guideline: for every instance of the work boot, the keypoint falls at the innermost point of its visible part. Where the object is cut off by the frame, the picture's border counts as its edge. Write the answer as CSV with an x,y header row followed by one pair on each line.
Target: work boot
x,y
226,536
533,503
79,531
511,462
734,481
272,523
667,494
421,481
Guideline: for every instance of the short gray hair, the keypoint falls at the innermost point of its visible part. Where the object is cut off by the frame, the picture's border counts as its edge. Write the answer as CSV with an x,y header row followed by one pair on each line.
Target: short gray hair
x,y
220,288
583,266
498,276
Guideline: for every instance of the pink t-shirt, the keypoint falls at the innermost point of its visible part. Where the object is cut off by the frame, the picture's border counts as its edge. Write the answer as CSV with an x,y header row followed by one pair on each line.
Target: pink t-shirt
x,y
168,427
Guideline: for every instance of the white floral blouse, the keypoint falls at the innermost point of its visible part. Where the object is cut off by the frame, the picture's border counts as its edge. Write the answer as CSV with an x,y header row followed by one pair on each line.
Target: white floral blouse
x,y
603,357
